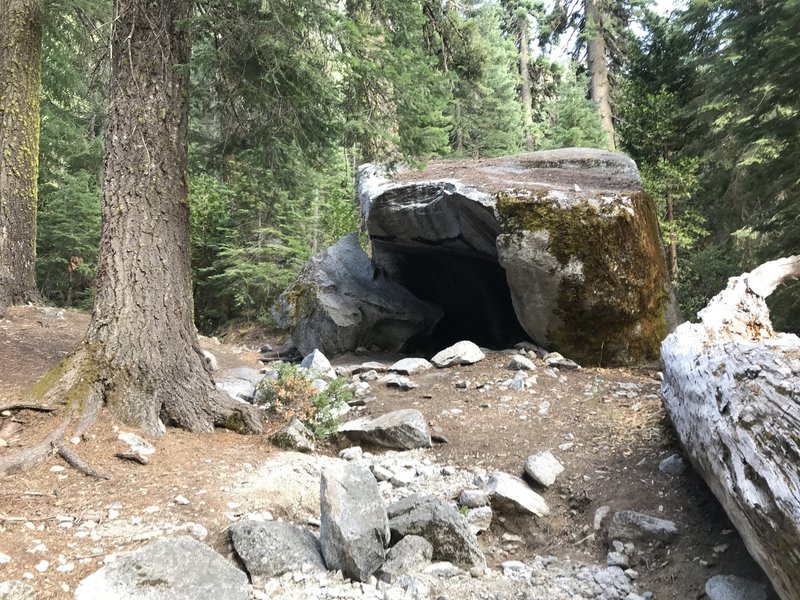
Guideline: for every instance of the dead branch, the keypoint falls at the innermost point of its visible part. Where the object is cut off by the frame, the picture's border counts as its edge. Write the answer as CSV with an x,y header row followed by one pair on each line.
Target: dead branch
x,y
24,406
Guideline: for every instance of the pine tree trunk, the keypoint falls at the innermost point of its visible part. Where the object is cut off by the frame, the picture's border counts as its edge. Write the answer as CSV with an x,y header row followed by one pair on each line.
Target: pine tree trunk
x,y
673,246
20,79
141,340
525,76
599,89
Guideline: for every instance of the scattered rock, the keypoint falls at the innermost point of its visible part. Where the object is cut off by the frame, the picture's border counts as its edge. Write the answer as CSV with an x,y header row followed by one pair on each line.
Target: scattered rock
x,y
137,444
211,360
479,519
411,554
461,353
409,366
441,525
473,498
352,454
543,468
673,465
166,570
731,587
318,364
404,429
554,359
400,382
512,495
630,525
354,528
368,366
295,436
521,363
16,590
272,548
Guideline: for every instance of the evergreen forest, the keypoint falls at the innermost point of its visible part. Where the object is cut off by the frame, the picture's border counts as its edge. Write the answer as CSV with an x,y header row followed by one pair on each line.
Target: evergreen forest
x,y
289,97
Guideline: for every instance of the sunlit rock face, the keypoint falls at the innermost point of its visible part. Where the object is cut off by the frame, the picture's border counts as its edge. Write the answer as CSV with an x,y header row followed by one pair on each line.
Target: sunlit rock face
x,y
560,246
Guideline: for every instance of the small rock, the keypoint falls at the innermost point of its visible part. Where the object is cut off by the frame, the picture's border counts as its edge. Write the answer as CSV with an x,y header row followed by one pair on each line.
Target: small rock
x,y
473,498
731,587
352,454
137,444
318,364
295,436
630,525
600,514
412,553
461,353
479,519
400,382
512,495
556,360
182,500
57,469
409,366
521,363
617,559
673,465
543,468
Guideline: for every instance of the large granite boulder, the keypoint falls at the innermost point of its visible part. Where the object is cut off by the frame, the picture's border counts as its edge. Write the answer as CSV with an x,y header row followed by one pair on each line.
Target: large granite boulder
x,y
404,429
560,245
340,301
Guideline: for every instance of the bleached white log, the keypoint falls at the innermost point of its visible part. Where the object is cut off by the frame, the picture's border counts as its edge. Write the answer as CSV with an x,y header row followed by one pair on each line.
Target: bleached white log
x,y
732,389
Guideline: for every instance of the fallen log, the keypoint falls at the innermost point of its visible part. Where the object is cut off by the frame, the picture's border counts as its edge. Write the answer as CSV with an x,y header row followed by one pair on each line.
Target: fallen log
x,y
732,390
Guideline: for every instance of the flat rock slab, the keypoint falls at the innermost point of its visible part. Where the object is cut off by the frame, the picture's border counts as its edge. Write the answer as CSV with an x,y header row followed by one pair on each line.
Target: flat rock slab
x,y
631,525
354,527
731,587
272,548
177,569
460,353
543,468
511,495
409,366
404,429
439,523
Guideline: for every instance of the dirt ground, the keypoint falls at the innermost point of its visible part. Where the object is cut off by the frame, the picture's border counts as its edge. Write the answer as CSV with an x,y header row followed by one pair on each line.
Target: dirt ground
x,y
611,417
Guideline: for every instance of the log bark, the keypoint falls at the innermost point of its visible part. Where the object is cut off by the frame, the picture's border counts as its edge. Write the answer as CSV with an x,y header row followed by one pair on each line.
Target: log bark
x,y
20,77
732,389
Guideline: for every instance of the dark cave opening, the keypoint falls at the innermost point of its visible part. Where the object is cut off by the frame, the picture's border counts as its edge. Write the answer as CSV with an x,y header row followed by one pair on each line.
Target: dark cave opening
x,y
470,287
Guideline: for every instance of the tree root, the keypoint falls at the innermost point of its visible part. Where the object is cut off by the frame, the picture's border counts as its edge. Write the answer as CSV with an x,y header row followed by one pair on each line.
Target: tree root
x,y
76,462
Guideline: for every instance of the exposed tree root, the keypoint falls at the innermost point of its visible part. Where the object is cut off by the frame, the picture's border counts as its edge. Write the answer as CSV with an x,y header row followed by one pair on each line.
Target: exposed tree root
x,y
28,457
76,462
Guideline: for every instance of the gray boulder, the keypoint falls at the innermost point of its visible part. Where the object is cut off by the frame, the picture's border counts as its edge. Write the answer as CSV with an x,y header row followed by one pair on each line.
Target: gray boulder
x,y
511,244
511,495
439,523
272,548
543,468
521,363
731,587
404,429
411,554
354,528
631,525
295,436
673,465
16,590
340,302
176,569
460,353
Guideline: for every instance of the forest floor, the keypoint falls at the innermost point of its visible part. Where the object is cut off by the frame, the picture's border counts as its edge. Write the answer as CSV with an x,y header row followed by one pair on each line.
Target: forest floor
x,y
51,515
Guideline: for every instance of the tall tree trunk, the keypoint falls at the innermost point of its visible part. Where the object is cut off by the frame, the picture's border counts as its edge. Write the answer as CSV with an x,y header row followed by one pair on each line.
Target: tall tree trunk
x,y
525,76
599,89
141,354
673,245
20,80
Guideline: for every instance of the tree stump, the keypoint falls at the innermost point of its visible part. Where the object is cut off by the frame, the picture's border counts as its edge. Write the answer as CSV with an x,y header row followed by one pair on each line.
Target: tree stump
x,y
732,389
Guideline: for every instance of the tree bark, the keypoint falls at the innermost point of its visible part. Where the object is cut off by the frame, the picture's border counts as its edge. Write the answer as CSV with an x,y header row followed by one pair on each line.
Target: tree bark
x,y
673,245
525,76
141,355
599,88
732,389
20,80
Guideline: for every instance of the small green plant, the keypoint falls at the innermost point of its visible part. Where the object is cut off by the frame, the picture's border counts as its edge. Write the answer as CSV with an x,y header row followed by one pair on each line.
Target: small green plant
x,y
292,394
